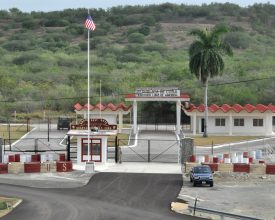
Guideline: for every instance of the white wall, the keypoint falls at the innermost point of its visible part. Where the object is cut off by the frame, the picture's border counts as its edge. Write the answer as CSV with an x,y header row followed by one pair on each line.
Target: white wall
x,y
247,129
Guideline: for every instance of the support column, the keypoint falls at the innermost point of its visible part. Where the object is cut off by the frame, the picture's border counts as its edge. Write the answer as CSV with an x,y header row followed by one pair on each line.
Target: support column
x,y
268,124
178,128
120,122
230,124
194,124
135,115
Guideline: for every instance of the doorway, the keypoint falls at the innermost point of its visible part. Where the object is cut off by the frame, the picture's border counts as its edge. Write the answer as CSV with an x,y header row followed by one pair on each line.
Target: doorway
x,y
95,150
202,125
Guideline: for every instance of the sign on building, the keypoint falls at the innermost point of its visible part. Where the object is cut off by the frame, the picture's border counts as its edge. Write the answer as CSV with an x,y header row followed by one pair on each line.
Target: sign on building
x,y
158,92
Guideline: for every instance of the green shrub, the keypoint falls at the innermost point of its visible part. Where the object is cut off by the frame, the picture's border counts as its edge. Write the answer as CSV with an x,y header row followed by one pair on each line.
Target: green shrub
x,y
3,205
238,40
136,38
145,30
18,45
25,58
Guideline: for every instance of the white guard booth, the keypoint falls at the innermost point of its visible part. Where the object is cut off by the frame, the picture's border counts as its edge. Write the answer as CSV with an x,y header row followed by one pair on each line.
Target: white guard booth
x,y
98,140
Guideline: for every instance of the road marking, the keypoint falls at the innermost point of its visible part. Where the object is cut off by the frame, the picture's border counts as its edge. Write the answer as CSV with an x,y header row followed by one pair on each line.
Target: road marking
x,y
191,197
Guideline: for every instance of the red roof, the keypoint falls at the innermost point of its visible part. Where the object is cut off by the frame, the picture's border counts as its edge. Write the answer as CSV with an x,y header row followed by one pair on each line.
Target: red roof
x,y
102,107
236,108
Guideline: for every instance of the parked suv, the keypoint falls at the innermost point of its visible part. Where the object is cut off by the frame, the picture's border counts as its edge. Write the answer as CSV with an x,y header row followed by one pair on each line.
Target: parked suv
x,y
63,122
201,175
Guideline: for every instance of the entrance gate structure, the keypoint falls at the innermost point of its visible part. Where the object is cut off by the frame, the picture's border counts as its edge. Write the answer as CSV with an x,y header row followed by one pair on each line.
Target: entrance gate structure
x,y
160,94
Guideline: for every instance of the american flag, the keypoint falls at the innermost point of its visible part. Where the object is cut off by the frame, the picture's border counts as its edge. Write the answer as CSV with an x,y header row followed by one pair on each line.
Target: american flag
x,y
89,24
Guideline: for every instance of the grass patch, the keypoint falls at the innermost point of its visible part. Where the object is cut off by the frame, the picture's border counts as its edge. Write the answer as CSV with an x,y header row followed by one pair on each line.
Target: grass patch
x,y
15,131
6,204
202,141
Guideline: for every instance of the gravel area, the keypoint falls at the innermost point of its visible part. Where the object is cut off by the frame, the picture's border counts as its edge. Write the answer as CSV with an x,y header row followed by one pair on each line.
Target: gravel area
x,y
237,193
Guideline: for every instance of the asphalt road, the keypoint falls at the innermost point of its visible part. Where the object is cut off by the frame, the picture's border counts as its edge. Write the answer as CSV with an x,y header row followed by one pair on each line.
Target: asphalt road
x,y
106,196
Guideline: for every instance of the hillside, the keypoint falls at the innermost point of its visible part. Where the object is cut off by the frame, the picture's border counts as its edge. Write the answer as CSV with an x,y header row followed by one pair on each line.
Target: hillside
x,y
43,63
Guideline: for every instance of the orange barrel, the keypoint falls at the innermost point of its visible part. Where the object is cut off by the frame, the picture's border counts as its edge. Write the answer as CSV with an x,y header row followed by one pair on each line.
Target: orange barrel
x,y
11,158
250,159
62,157
226,156
206,158
3,168
36,158
245,154
32,167
64,166
192,159
215,160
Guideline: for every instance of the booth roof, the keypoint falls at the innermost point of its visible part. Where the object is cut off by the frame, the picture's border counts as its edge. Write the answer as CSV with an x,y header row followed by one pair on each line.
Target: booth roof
x,y
237,108
102,107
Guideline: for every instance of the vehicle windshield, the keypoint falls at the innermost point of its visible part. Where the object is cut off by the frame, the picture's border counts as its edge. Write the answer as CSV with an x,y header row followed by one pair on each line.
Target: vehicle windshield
x,y
202,170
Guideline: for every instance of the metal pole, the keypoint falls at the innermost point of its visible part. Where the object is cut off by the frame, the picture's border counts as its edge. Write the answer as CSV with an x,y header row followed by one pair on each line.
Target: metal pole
x,y
116,150
195,206
149,143
88,63
48,129
9,131
69,148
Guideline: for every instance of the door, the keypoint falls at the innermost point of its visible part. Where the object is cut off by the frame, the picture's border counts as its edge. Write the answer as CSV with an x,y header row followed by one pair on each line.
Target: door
x,y
95,150
202,125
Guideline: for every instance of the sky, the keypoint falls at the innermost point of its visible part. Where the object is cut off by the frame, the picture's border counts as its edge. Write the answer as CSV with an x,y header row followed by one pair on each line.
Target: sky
x,y
54,5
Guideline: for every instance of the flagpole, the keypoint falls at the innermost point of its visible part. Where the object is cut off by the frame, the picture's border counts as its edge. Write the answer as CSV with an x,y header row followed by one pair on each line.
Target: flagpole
x,y
100,98
89,145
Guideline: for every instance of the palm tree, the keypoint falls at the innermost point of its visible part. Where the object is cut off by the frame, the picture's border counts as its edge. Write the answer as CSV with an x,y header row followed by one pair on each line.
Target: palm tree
x,y
206,58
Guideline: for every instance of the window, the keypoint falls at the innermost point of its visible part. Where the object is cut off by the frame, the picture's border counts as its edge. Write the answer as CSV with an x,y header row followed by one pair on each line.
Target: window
x,y
220,122
258,122
238,122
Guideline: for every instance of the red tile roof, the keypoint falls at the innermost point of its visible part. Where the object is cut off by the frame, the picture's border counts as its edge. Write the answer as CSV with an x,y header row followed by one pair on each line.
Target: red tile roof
x,y
102,107
236,108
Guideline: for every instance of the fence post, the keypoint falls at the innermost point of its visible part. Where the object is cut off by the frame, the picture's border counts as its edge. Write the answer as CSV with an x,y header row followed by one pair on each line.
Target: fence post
x,y
149,146
69,148
35,145
1,151
48,129
116,150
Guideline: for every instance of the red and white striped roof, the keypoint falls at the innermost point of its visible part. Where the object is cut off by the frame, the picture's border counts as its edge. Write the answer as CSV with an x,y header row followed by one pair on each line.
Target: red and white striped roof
x,y
102,107
236,108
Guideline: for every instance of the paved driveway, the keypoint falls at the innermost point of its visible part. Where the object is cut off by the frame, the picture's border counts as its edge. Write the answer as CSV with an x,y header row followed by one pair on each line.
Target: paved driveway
x,y
106,196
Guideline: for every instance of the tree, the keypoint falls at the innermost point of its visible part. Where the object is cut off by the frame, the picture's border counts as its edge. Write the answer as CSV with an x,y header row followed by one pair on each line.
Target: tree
x,y
206,58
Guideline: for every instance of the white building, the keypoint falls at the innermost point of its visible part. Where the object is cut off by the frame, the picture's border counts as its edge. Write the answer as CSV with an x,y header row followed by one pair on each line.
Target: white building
x,y
233,120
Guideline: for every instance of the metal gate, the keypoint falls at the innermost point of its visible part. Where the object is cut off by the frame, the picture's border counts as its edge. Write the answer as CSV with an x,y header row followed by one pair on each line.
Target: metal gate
x,y
161,151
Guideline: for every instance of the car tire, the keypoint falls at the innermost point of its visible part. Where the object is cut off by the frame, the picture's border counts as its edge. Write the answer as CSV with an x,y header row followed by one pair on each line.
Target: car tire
x,y
194,184
211,184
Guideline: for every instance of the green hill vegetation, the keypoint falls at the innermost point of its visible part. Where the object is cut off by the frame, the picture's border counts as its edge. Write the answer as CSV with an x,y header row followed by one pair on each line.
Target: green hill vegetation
x,y
43,64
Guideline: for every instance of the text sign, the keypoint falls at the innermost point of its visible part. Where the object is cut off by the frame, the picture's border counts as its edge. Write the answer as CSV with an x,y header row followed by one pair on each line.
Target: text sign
x,y
158,92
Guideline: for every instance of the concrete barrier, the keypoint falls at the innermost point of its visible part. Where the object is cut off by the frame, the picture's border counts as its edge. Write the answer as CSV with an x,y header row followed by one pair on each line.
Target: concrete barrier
x,y
64,166
48,167
225,167
259,169
16,168
240,167
3,168
32,167
270,169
